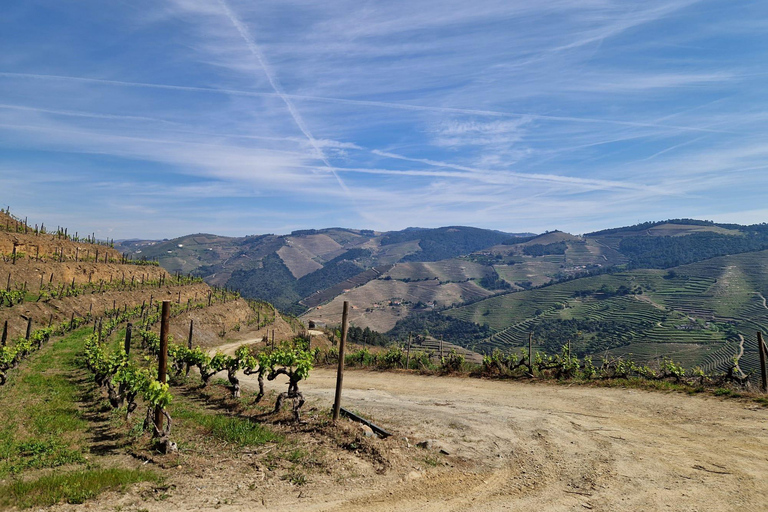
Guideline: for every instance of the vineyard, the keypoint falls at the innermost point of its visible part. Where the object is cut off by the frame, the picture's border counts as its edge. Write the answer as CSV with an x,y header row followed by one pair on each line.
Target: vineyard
x,y
82,388
694,313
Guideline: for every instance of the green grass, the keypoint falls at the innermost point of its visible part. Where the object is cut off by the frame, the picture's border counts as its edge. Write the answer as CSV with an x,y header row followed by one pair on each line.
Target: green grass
x,y
42,426
72,487
239,431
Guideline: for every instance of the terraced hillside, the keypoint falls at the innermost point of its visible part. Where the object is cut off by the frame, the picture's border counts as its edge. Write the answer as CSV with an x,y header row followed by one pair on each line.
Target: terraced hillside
x,y
309,267
54,278
379,303
696,312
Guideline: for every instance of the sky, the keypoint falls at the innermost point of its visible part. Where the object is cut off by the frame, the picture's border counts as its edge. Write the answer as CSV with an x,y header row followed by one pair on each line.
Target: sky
x,y
155,119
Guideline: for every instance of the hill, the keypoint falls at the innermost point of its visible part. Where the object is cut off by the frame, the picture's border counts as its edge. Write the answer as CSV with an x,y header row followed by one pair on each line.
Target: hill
x,y
54,277
292,270
697,313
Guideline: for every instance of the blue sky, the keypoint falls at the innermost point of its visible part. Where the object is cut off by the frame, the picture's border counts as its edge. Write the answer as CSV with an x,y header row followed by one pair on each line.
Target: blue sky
x,y
162,118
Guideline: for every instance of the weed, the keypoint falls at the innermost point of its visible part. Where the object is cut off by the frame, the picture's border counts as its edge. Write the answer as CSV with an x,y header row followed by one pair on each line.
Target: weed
x,y
74,487
239,431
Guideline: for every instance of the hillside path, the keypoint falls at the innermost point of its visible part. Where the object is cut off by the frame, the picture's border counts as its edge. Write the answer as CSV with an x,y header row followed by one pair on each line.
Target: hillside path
x,y
537,446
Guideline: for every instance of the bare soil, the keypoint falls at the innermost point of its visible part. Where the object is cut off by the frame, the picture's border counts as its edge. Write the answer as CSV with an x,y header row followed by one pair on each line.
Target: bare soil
x,y
510,446
523,446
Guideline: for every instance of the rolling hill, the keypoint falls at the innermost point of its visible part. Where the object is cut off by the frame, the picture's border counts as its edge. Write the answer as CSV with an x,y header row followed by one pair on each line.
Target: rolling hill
x,y
293,271
684,288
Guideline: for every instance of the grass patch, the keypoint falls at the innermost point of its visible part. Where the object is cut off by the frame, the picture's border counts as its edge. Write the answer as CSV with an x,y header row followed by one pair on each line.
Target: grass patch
x,y
73,487
239,431
42,425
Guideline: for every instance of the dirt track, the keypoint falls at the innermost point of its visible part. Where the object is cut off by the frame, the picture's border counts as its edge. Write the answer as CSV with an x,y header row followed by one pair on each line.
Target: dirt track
x,y
519,446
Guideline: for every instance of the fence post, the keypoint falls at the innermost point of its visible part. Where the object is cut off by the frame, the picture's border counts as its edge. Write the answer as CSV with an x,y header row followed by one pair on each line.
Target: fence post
x,y
340,371
189,341
530,352
408,353
763,373
163,358
127,343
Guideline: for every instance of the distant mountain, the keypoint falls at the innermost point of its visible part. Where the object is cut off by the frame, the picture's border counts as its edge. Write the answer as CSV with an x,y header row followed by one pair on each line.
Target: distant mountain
x,y
286,269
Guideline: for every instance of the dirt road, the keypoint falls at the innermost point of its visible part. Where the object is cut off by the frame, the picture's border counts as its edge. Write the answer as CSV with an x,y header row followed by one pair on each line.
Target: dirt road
x,y
521,446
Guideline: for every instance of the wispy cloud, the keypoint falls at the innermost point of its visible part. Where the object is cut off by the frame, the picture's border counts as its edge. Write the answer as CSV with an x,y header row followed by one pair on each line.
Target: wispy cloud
x,y
237,117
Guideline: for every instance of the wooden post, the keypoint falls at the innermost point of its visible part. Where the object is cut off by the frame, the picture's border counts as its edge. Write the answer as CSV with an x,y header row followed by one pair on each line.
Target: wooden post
x,y
29,327
340,371
273,338
14,254
189,340
163,357
441,348
128,332
4,338
530,352
763,373
72,322
408,353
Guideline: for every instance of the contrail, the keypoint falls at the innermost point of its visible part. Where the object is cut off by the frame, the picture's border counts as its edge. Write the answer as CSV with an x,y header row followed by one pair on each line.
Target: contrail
x,y
368,103
551,178
74,113
253,47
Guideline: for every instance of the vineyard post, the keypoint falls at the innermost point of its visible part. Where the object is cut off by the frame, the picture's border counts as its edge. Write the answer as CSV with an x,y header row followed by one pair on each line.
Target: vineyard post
x,y
128,332
163,358
408,352
72,322
340,371
4,339
763,372
14,254
8,284
441,348
530,352
41,282
189,341
29,327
